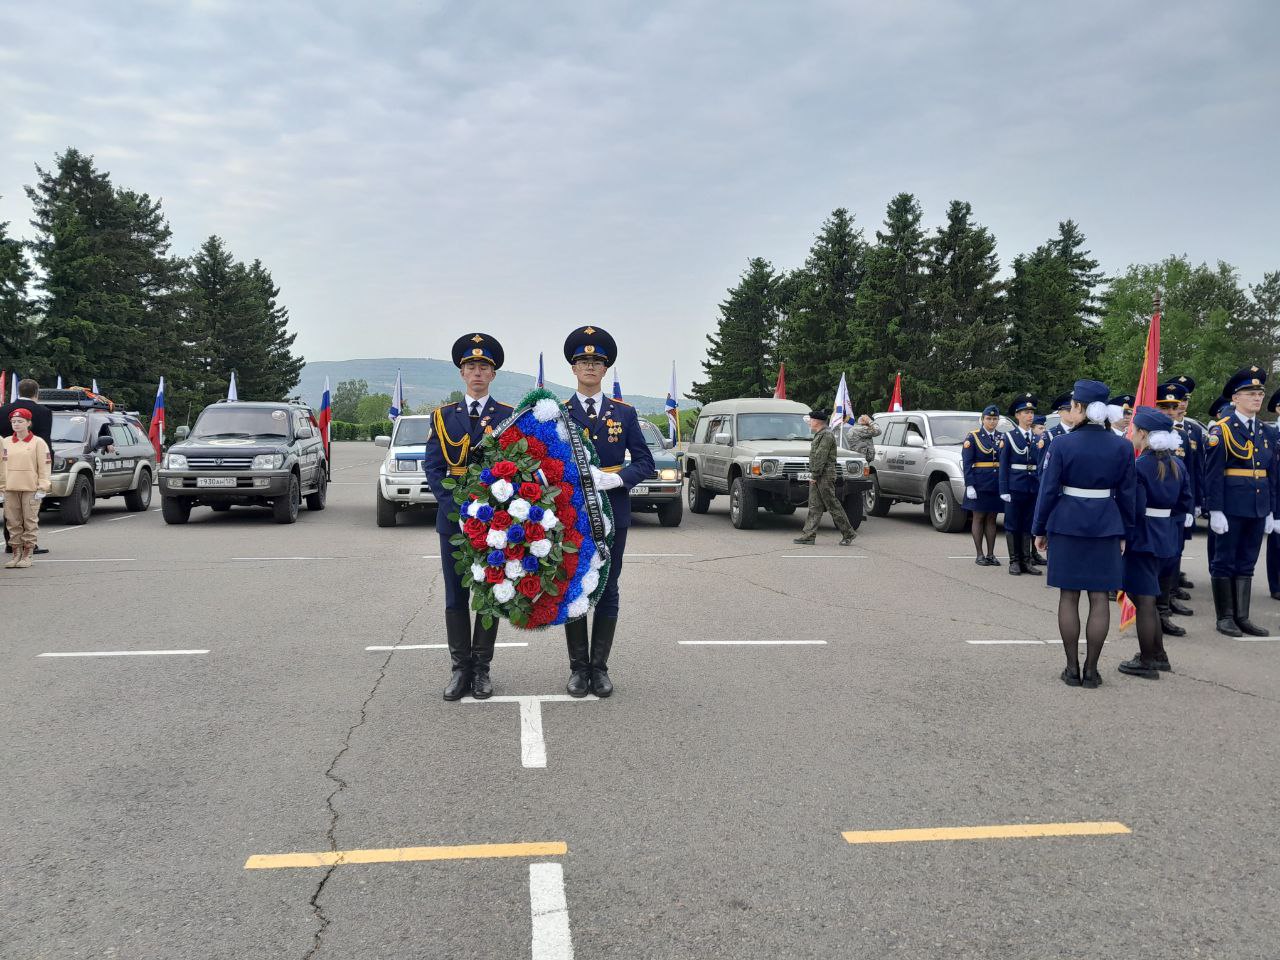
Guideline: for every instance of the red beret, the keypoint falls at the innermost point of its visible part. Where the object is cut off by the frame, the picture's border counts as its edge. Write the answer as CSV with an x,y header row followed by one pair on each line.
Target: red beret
x,y
20,412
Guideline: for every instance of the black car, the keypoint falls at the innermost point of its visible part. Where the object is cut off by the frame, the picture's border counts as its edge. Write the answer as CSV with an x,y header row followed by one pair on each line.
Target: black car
x,y
248,454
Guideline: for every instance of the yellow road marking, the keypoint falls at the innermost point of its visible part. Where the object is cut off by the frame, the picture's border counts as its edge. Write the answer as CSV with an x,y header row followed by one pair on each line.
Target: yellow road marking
x,y
475,851
998,832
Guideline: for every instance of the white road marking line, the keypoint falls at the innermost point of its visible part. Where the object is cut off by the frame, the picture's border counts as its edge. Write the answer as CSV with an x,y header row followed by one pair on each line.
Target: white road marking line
x,y
65,529
988,643
126,653
98,560
431,556
550,911
659,554
533,748
127,516
435,646
751,643
260,559
825,556
1258,639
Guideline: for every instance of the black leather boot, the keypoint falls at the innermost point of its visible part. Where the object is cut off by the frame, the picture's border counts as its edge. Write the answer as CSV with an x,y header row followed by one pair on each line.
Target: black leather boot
x,y
1184,583
1224,607
1013,545
482,641
1035,555
1163,607
575,635
1029,555
457,627
601,643
1241,591
1181,609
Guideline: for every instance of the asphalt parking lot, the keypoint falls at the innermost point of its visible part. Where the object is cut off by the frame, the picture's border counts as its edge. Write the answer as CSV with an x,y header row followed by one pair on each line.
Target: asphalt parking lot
x,y
771,699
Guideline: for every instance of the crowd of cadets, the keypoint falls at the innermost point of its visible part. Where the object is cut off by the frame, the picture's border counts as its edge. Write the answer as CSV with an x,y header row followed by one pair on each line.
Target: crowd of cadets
x,y
1125,529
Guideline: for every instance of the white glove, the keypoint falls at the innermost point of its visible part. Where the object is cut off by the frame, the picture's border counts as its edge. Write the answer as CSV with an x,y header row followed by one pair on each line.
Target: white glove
x,y
971,493
1218,522
1190,520
1270,524
1006,497
39,495
605,481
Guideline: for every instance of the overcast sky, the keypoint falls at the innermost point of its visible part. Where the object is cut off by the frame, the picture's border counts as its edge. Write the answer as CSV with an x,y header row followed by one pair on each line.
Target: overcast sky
x,y
412,170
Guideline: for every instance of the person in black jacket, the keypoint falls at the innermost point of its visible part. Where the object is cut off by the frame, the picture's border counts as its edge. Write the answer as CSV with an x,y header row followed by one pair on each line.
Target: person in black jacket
x,y
41,426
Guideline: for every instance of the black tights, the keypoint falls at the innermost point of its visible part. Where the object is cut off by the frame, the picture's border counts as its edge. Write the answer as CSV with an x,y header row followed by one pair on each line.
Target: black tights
x,y
1150,634
1095,629
984,525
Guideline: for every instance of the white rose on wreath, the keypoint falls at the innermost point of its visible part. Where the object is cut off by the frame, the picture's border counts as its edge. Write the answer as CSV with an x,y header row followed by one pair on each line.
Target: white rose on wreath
x,y
504,591
501,490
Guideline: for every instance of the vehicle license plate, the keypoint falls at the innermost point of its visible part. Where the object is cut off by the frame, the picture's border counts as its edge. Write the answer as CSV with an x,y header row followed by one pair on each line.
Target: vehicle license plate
x,y
804,477
639,491
215,481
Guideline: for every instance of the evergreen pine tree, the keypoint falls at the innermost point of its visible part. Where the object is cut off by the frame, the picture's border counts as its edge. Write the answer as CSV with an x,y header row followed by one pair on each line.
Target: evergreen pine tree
x,y
17,332
282,367
1044,353
740,361
1265,307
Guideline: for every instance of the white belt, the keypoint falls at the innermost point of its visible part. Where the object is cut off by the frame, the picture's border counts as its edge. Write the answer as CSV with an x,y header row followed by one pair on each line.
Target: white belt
x,y
1086,493
1022,466
1159,512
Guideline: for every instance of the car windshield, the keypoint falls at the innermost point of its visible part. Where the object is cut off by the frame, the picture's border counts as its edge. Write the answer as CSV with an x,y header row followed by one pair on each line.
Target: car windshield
x,y
412,433
951,431
241,422
651,435
773,426
69,428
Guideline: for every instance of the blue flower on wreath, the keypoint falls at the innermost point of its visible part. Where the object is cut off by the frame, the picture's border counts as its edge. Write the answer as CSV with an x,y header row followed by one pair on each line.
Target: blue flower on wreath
x,y
530,564
515,534
486,476
484,513
496,558
536,513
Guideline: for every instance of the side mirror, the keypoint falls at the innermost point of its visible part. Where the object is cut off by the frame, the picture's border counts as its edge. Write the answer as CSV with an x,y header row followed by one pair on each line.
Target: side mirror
x,y
667,443
915,440
182,432
722,438
102,443
382,441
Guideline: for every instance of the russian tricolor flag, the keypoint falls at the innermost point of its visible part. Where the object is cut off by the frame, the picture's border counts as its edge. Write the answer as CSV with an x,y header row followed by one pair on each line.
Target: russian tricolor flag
x,y
156,431
326,416
673,411
617,387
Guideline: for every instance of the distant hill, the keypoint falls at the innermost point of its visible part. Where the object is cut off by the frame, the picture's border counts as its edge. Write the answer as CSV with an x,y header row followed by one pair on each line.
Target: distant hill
x,y
431,381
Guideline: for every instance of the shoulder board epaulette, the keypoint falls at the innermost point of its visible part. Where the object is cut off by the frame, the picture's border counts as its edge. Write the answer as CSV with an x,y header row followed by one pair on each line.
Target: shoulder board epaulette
x,y
616,400
565,403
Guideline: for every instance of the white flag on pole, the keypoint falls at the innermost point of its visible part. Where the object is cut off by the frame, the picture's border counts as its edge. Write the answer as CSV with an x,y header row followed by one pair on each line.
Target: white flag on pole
x,y
397,400
673,409
843,411
232,393
95,385
59,381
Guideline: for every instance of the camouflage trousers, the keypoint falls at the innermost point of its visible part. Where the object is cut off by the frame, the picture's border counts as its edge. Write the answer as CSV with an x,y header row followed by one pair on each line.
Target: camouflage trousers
x,y
823,499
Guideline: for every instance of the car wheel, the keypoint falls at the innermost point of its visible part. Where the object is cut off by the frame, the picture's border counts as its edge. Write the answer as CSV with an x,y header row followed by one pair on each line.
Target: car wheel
x,y
140,499
78,505
386,511
945,512
671,513
316,501
285,509
873,504
742,505
175,509
220,507
699,499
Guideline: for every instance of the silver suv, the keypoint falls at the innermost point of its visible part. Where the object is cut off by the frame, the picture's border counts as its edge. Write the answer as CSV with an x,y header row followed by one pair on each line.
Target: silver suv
x,y
402,485
757,451
918,461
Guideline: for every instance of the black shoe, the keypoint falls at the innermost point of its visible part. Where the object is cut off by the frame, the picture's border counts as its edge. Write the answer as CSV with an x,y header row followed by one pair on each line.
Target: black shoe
x,y
1275,596
1071,677
982,562
1184,583
807,541
1137,667
1090,679
1224,607
1181,609
1179,594
1242,592
482,643
457,626
1171,629
1161,663
992,560
601,643
1028,551
848,539
39,550
579,644
1012,544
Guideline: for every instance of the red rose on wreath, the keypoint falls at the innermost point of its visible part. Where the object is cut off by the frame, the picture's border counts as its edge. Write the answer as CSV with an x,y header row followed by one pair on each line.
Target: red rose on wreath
x,y
574,537
494,575
480,542
529,587
515,551
474,528
530,492
554,470
508,437
570,564
534,532
501,520
504,469
537,449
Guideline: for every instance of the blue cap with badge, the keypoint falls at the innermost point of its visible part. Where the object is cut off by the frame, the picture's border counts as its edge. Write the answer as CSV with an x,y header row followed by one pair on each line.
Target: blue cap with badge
x,y
1090,391
1124,400
1220,408
991,410
1248,378
477,347
590,343
1063,402
1171,392
1023,401
1152,420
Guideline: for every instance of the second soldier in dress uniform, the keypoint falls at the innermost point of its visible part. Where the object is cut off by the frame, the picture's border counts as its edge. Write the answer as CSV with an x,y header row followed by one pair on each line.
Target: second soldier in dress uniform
x,y
1060,406
614,429
1171,399
457,430
1020,457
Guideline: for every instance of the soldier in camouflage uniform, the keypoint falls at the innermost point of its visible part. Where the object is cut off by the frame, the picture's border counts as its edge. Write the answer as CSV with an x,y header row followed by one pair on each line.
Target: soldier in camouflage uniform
x,y
822,483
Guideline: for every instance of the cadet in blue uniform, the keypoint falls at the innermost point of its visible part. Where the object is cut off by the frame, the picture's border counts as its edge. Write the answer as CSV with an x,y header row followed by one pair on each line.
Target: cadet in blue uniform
x,y
1162,510
1217,410
1019,482
457,430
1273,539
1060,405
1171,400
1197,437
980,457
1085,510
1238,495
1120,414
615,431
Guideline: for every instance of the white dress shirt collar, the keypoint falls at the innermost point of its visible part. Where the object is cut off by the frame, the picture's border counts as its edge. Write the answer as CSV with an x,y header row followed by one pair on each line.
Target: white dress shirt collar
x,y
1247,421
468,400
598,398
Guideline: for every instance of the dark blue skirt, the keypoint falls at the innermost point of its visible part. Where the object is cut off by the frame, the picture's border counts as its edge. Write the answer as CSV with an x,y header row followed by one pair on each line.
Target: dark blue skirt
x,y
1085,563
984,503
1142,574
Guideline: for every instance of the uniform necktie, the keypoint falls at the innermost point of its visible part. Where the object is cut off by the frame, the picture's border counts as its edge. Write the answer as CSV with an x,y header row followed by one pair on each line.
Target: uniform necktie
x,y
475,409
591,407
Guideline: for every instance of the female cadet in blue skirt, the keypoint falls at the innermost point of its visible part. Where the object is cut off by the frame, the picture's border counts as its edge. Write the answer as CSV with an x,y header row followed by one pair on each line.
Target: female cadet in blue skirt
x,y
1162,510
1084,511
980,456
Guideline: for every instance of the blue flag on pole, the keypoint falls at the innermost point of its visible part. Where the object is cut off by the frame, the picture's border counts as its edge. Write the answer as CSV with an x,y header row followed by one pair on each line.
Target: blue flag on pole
x,y
617,387
541,378
397,399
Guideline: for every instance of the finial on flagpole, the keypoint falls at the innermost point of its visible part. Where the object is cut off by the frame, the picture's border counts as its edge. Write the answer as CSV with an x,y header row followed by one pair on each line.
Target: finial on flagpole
x,y
1156,301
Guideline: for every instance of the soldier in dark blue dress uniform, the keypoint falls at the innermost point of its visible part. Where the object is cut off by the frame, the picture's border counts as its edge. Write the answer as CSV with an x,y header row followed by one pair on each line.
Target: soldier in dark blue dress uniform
x,y
980,458
1273,539
457,430
1084,511
1171,399
1162,510
1239,498
614,429
1019,482
1198,435
1060,406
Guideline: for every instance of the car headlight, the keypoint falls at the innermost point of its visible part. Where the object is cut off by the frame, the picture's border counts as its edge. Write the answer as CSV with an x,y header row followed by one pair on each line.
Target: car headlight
x,y
769,468
406,466
63,463
175,461
268,461
669,473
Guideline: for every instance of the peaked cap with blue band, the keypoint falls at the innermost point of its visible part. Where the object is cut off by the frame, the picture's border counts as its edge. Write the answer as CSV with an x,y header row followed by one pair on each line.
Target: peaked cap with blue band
x,y
1152,420
1220,408
1039,420
590,342
1188,383
991,410
1171,392
1090,391
1249,378
1023,401
1063,402
1275,398
1124,400
478,347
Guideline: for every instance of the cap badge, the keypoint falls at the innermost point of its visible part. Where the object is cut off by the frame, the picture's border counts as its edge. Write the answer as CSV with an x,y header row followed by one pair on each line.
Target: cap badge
x,y
477,339
589,348
588,330
477,352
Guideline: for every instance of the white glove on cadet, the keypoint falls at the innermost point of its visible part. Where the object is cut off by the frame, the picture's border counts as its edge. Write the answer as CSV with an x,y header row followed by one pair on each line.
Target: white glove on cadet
x,y
971,493
1190,521
1270,525
1218,522
605,481
1006,497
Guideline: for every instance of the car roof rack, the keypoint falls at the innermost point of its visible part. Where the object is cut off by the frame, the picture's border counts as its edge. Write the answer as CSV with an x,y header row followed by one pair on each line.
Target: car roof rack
x,y
74,398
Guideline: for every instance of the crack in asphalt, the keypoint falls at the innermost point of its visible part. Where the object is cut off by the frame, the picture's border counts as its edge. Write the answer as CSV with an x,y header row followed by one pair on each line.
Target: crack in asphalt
x,y
331,834
1224,686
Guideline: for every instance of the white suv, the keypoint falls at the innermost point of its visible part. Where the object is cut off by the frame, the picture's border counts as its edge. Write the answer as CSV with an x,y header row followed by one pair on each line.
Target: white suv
x,y
401,480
